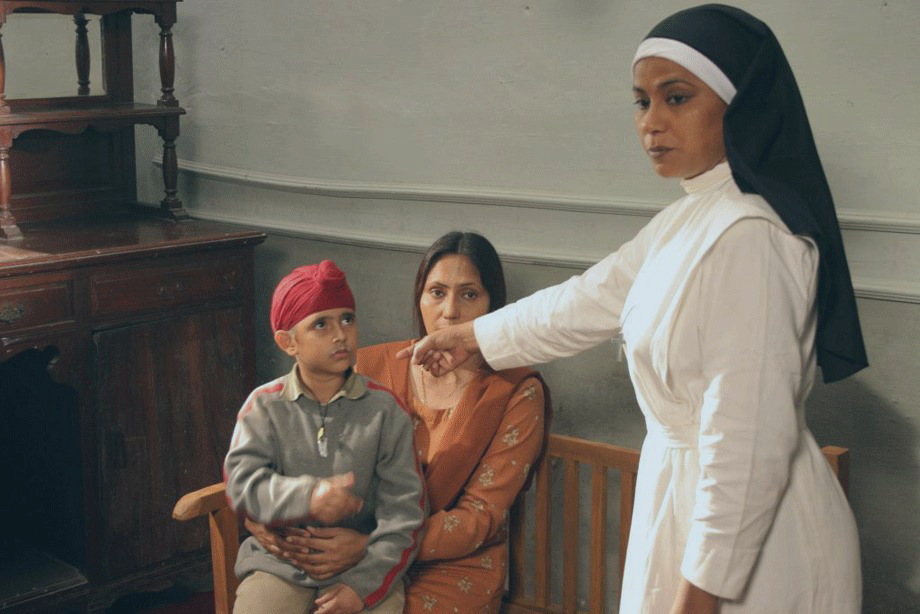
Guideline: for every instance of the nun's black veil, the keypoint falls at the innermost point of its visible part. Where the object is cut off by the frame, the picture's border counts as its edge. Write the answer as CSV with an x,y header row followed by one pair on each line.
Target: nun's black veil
x,y
771,152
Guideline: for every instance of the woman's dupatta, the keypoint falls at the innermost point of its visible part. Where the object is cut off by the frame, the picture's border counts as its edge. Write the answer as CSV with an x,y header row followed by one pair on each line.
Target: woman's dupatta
x,y
472,426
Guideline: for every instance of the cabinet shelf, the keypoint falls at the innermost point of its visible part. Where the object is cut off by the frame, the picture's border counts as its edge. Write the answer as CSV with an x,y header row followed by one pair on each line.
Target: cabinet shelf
x,y
76,118
30,578
94,7
45,114
95,240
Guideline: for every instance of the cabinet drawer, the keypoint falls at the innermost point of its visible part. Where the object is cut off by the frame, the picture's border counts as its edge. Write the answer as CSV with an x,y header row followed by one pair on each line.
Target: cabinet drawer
x,y
161,286
40,304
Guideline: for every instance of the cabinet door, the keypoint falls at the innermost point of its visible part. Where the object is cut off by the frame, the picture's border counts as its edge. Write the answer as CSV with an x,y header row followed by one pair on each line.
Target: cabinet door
x,y
167,396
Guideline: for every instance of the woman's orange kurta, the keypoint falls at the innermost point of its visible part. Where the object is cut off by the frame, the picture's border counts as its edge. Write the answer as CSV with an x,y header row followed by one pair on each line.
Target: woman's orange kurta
x,y
476,456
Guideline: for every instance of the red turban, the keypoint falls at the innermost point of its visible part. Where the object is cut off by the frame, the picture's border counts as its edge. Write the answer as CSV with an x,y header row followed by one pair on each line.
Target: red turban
x,y
306,290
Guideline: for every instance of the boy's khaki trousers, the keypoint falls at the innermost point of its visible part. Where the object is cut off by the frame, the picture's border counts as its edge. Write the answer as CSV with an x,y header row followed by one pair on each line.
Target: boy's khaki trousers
x,y
263,593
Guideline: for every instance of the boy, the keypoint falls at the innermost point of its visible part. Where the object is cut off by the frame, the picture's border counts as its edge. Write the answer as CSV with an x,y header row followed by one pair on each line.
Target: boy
x,y
324,445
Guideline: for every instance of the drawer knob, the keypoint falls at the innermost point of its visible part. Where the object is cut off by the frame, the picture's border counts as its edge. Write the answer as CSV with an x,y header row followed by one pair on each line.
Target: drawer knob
x,y
9,313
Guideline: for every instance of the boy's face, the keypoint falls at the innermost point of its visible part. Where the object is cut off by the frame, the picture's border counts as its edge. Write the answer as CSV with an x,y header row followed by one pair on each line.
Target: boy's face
x,y
323,343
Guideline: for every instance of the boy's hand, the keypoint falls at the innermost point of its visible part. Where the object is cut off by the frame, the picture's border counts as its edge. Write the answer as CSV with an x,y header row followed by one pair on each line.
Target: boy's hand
x,y
332,501
339,599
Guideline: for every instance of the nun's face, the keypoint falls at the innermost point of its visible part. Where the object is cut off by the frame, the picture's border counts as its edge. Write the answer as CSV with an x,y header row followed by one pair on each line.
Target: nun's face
x,y
679,119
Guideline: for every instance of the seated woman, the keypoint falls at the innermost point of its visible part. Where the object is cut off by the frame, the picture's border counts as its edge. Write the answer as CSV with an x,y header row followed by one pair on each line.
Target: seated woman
x,y
478,432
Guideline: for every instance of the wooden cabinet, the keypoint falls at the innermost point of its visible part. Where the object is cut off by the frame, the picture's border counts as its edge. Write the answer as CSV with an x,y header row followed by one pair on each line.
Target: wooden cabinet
x,y
121,373
126,335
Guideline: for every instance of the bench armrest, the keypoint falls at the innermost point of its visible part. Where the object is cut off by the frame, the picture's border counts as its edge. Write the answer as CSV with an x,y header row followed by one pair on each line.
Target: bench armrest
x,y
200,502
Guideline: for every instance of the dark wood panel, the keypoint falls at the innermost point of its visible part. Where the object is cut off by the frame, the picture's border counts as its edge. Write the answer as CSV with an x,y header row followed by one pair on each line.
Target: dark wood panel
x,y
64,175
145,288
167,394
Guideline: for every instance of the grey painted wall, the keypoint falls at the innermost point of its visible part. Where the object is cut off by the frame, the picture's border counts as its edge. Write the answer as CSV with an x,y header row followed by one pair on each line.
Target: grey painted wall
x,y
360,131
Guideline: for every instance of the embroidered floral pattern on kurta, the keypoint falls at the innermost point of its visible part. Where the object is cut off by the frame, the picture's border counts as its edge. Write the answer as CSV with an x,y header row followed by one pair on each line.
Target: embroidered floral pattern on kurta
x,y
450,522
465,548
462,564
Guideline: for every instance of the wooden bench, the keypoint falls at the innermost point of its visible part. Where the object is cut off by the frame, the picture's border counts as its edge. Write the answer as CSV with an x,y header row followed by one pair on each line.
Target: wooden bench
x,y
603,462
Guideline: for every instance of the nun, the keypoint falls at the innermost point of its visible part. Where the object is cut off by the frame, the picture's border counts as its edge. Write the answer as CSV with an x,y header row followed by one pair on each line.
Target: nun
x,y
727,303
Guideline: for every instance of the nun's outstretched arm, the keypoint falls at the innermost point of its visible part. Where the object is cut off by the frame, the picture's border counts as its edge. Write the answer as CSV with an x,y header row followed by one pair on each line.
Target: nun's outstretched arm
x,y
443,350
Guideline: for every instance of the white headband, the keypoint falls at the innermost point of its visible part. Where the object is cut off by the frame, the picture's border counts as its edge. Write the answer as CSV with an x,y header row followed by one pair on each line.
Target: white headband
x,y
692,60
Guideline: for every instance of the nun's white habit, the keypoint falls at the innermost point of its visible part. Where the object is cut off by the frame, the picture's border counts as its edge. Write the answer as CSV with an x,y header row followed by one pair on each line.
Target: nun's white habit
x,y
715,299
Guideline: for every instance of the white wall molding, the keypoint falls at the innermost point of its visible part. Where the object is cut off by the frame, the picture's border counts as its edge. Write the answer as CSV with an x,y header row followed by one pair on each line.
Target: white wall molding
x,y
864,288
850,219
421,192
562,254
390,242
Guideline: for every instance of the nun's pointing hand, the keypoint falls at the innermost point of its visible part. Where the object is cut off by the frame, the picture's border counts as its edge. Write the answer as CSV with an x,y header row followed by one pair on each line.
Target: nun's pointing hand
x,y
443,350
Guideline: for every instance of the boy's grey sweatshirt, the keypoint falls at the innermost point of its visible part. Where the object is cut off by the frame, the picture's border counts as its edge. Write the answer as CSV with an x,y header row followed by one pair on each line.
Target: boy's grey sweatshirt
x,y
274,463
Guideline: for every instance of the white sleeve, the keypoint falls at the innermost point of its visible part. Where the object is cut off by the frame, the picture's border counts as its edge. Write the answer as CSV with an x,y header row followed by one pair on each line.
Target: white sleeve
x,y
564,319
757,349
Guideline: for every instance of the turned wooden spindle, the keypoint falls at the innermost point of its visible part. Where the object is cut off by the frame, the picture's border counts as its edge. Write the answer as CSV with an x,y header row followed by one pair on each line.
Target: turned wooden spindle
x,y
4,108
81,53
167,64
170,173
8,227
171,203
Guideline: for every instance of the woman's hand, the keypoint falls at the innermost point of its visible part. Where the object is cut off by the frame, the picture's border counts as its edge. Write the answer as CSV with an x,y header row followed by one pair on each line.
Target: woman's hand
x,y
691,599
320,552
325,552
443,350
274,540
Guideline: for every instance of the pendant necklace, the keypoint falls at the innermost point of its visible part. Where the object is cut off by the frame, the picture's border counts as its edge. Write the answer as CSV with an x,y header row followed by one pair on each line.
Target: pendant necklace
x,y
425,392
322,444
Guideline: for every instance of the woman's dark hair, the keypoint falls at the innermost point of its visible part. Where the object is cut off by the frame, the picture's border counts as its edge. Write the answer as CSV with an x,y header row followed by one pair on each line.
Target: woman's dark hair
x,y
480,252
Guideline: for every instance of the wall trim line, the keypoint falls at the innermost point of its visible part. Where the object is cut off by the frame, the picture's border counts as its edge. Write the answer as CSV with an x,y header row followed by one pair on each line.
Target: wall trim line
x,y
876,289
850,219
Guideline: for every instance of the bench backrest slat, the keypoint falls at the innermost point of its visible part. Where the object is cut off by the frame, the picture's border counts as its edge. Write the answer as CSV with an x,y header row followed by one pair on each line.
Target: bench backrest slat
x,y
602,459
598,580
541,538
570,529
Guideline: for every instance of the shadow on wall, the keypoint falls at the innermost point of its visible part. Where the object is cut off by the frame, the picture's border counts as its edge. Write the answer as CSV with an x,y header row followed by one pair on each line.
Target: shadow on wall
x,y
884,473
271,265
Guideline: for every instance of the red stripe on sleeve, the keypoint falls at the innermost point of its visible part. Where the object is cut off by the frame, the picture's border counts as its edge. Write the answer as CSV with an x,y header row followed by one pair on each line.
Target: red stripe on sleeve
x,y
379,594
267,389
